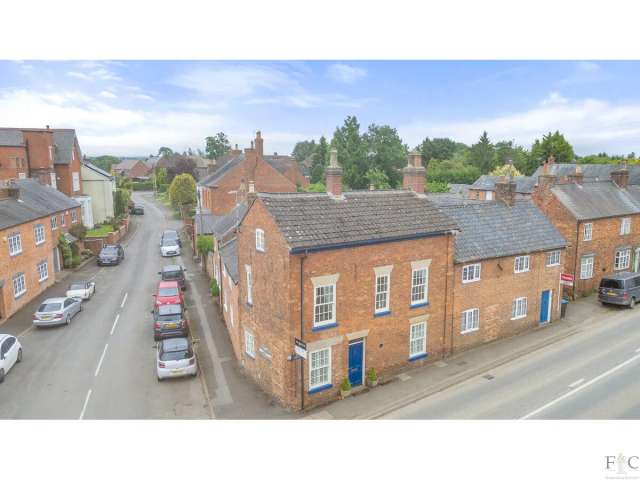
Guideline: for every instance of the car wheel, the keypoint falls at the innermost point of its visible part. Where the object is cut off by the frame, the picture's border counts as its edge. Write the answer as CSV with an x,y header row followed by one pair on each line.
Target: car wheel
x,y
80,308
632,302
159,379
68,319
1,375
156,338
19,356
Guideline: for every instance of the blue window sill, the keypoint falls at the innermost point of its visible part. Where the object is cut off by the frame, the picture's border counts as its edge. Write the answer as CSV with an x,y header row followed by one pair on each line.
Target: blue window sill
x,y
418,357
320,389
323,327
382,314
418,305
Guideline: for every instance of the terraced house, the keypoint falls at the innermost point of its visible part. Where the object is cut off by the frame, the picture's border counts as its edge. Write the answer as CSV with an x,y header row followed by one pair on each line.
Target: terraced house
x,y
32,217
600,221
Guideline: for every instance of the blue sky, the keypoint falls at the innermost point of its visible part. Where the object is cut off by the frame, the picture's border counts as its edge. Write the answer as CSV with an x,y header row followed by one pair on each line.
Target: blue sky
x,y
134,107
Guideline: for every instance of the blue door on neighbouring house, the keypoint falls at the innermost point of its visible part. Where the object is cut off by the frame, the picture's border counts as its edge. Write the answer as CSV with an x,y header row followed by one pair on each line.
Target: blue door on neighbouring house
x,y
545,306
356,357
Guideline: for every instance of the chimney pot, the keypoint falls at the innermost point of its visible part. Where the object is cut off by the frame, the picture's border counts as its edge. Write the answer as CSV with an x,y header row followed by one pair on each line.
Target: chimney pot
x,y
333,174
506,190
620,177
414,173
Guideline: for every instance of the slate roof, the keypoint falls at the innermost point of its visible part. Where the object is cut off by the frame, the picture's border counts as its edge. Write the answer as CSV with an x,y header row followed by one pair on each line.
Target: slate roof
x,y
212,179
459,189
35,201
125,165
597,199
524,185
493,229
64,141
318,221
229,254
220,225
591,171
98,170
11,137
280,162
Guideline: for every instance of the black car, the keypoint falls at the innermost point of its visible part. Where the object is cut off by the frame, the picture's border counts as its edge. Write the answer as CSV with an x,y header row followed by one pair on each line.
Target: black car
x,y
170,235
136,209
169,321
174,272
111,255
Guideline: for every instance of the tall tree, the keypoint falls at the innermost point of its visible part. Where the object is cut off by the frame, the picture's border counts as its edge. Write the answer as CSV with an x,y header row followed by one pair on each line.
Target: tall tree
x,y
482,154
320,159
440,148
352,153
181,164
162,151
182,190
217,146
105,162
508,152
385,153
304,150
552,144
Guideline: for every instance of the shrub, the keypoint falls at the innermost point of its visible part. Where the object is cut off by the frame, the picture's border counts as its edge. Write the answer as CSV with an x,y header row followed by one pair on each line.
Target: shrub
x,y
86,253
76,260
345,385
204,244
79,231
65,248
215,290
182,190
146,185
372,375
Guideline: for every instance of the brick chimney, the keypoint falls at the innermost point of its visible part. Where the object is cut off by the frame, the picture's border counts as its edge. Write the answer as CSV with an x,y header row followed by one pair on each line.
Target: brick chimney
x,y
576,177
506,190
333,174
9,190
621,177
251,193
414,173
259,145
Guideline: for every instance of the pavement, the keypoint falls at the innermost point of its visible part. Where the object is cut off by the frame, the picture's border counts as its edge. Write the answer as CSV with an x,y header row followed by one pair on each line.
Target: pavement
x,y
102,366
562,370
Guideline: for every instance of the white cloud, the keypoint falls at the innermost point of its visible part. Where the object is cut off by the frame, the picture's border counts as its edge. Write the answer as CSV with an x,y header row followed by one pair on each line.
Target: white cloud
x,y
142,96
590,125
103,128
98,74
107,94
341,72
80,75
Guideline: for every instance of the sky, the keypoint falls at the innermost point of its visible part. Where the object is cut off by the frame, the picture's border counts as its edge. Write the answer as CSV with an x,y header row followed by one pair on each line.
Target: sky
x,y
135,107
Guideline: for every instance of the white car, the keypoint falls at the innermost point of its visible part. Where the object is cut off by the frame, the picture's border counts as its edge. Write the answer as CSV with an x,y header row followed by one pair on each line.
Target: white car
x,y
81,290
176,358
10,354
169,248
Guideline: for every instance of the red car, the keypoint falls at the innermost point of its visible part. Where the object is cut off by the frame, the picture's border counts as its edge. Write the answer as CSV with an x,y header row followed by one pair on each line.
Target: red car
x,y
168,293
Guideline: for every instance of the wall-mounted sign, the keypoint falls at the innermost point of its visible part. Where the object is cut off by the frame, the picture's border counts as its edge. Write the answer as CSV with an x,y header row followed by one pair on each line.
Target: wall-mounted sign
x,y
300,348
566,279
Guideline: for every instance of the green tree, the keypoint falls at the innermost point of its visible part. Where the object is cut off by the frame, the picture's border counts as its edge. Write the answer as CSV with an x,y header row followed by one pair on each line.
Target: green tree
x,y
507,170
67,253
204,244
162,151
304,150
385,154
161,176
455,170
105,162
552,144
482,154
352,153
320,159
217,146
315,188
182,190
121,199
377,178
440,148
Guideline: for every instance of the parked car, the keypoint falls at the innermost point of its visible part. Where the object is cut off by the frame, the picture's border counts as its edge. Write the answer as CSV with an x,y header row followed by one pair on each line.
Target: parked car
x,y
111,255
168,293
136,209
57,311
174,272
169,248
169,321
170,235
10,354
175,358
81,290
620,289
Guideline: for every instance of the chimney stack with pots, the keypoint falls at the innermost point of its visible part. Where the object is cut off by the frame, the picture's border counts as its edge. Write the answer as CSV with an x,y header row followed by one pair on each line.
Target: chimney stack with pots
x,y
506,190
333,174
259,144
576,177
414,173
621,177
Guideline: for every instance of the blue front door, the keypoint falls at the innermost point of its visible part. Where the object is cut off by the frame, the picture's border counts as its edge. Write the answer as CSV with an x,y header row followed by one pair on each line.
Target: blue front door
x,y
356,355
545,306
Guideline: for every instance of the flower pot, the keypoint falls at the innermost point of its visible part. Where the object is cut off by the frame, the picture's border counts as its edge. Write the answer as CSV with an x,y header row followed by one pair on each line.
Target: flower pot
x,y
372,383
344,393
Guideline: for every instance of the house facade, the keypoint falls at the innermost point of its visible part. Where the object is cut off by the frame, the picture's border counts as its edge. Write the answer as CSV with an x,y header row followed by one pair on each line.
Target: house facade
x,y
600,221
32,218
100,186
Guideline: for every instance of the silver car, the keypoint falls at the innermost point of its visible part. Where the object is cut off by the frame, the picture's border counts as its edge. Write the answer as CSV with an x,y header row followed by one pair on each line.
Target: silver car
x,y
57,311
175,358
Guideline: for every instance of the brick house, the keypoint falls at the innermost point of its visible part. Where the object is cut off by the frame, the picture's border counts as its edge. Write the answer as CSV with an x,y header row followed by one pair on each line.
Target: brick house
x,y
591,172
484,188
600,221
364,278
508,260
32,217
221,190
227,276
132,169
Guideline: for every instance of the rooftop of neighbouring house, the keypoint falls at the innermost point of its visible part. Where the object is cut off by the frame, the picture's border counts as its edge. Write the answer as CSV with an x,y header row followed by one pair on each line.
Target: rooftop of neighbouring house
x,y
223,166
590,171
219,225
229,254
524,185
492,229
316,221
594,200
34,201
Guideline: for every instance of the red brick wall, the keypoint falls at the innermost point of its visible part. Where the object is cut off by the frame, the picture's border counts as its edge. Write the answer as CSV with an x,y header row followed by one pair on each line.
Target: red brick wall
x,y
13,160
274,317
494,293
139,169
39,145
25,262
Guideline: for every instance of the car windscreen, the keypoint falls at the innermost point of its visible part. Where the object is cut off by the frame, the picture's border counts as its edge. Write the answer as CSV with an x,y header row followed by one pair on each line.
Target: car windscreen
x,y
109,251
170,234
169,243
179,355
77,286
50,307
172,275
170,318
611,283
168,292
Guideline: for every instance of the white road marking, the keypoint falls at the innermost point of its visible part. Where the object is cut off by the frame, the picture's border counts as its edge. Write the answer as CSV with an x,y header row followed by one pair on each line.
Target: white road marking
x,y
114,324
576,383
104,352
638,350
581,387
124,300
84,407
22,334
